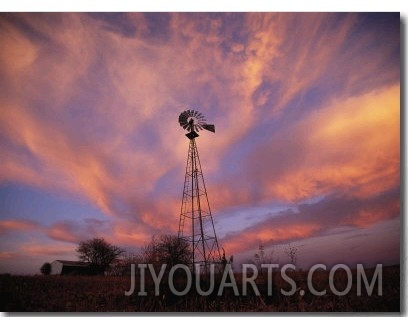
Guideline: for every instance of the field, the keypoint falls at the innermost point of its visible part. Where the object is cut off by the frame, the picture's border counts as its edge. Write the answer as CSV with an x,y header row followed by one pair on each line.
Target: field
x,y
107,294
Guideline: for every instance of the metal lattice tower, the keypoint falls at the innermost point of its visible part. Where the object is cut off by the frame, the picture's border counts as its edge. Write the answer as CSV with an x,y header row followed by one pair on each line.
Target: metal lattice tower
x,y
196,225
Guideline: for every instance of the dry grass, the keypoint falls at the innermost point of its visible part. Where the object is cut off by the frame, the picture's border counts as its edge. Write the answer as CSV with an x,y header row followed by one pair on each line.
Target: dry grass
x,y
107,294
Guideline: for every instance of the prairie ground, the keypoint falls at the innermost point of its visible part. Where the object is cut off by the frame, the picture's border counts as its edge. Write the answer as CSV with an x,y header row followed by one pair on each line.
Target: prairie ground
x,y
107,294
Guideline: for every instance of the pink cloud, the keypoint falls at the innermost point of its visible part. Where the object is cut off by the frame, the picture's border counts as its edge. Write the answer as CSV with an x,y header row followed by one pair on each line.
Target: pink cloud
x,y
34,249
17,225
65,232
317,219
8,255
351,145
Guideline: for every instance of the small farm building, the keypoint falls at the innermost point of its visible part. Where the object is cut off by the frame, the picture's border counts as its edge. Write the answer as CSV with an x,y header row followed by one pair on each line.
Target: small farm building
x,y
62,267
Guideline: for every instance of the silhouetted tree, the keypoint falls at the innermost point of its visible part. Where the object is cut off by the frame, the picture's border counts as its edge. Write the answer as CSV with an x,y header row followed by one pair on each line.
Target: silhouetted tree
x,y
46,268
167,249
292,252
261,257
122,266
98,253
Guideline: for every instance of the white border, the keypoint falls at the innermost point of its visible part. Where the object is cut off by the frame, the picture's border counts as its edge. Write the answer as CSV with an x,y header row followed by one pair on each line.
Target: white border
x,y
207,5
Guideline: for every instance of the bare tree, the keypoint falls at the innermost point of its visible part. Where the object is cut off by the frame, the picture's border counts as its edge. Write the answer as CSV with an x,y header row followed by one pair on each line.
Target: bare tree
x,y
260,258
292,252
167,249
98,253
122,266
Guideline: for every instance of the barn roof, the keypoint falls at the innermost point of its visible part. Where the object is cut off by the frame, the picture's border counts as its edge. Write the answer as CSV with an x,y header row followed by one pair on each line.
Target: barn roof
x,y
73,263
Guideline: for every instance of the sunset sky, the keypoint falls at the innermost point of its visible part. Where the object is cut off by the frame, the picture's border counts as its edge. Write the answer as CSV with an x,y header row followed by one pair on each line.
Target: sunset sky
x,y
306,151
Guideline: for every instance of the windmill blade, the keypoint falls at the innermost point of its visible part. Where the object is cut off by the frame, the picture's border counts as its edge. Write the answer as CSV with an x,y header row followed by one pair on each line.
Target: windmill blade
x,y
183,118
209,127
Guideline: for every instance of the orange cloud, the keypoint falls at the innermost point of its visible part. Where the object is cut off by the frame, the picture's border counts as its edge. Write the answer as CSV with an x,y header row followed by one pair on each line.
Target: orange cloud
x,y
57,156
33,249
63,232
17,225
315,219
8,255
130,234
15,45
370,215
354,143
351,145
250,239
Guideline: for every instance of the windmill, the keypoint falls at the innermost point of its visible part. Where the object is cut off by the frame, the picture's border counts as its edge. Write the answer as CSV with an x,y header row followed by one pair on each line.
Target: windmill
x,y
196,225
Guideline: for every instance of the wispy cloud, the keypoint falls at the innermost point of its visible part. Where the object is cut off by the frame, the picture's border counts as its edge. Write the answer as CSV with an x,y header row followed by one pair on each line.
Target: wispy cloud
x,y
34,249
17,225
317,219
